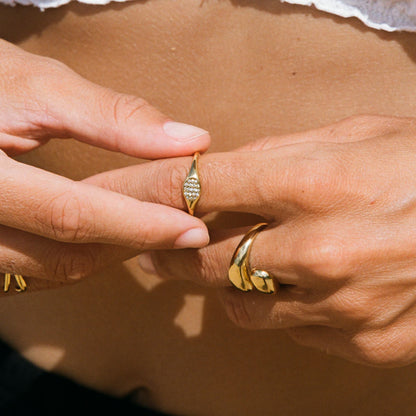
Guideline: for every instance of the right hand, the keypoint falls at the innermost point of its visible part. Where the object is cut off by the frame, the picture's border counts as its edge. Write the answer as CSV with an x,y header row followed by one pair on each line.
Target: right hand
x,y
54,230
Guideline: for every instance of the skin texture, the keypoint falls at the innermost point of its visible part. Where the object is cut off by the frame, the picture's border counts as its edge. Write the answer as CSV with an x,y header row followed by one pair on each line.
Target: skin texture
x,y
243,71
52,226
339,240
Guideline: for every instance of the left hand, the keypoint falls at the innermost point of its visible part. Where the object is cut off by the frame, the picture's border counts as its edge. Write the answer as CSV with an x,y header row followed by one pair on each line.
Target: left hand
x,y
341,204
54,230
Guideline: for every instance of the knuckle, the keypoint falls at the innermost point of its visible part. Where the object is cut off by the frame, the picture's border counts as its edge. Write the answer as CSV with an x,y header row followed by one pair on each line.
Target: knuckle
x,y
325,171
209,263
263,143
370,125
67,217
216,172
29,99
355,125
237,311
187,264
143,239
70,264
325,256
383,348
47,69
126,106
167,183
351,307
166,266
357,120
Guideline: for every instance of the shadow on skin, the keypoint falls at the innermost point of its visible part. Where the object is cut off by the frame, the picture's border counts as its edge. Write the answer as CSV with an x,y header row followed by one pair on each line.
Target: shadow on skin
x,y
104,325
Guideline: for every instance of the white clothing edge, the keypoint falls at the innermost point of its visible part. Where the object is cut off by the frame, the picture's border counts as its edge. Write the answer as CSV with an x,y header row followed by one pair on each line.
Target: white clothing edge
x,y
387,15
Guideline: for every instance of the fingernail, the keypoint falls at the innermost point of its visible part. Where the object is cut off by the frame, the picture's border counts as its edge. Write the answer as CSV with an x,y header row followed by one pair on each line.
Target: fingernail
x,y
181,131
194,238
146,263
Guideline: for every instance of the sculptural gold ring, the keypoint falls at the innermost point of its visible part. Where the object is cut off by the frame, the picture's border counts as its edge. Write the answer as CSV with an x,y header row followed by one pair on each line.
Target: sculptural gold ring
x,y
20,282
241,275
191,188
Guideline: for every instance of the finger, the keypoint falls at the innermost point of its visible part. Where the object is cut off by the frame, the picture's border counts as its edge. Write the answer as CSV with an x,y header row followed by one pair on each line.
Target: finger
x,y
289,307
351,129
43,259
255,182
386,347
118,122
15,145
274,250
282,176
55,207
44,98
332,341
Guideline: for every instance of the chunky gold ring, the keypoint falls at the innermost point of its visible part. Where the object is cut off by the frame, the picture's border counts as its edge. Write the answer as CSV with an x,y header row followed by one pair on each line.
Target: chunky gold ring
x,y
240,273
20,282
191,188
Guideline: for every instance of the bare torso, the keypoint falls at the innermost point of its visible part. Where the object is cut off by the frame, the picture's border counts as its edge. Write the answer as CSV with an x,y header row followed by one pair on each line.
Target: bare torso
x,y
242,70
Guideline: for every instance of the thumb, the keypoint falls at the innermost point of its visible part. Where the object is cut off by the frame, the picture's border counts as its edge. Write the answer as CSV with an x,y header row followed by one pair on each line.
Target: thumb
x,y
119,122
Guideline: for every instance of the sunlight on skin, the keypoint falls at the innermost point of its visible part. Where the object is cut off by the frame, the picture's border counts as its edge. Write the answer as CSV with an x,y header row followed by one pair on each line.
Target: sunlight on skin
x,y
47,356
193,304
147,281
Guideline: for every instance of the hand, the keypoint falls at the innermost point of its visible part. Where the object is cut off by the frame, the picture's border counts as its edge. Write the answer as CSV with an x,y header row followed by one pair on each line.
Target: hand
x,y
341,204
58,230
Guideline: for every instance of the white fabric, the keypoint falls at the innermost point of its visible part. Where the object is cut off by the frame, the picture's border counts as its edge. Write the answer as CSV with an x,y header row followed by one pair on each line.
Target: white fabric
x,y
46,4
387,15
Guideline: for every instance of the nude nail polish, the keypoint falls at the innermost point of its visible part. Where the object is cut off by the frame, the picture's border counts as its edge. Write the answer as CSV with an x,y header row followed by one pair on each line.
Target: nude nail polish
x,y
194,238
182,132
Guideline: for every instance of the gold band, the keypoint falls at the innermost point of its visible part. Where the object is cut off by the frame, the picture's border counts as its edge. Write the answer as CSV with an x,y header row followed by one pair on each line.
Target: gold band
x,y
241,275
191,188
20,282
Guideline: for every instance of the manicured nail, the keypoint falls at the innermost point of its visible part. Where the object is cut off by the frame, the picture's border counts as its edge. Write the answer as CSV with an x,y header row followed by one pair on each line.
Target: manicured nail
x,y
194,238
181,131
146,263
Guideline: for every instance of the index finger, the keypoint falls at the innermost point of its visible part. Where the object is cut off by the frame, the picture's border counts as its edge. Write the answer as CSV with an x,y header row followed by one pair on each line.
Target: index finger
x,y
52,206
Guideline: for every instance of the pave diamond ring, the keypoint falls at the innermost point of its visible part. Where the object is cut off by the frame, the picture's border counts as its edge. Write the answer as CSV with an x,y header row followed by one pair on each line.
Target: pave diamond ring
x,y
191,188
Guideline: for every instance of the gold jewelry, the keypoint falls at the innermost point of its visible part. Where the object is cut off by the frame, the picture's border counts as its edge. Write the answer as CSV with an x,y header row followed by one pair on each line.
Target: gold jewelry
x,y
241,275
191,188
20,282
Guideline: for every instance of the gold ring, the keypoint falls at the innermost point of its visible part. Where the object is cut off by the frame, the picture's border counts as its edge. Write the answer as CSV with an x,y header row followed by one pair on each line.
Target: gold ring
x,y
240,273
20,282
191,188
